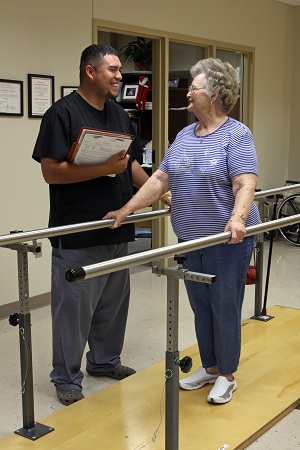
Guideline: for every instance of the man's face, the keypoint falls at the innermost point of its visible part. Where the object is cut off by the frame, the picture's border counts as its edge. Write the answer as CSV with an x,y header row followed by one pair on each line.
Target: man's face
x,y
107,77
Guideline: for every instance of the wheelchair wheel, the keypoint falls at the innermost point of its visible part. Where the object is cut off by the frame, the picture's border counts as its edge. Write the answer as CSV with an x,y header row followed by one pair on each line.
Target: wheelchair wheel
x,y
267,235
289,207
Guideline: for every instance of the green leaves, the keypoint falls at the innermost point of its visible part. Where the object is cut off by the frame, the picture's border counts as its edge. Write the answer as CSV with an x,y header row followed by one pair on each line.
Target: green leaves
x,y
139,50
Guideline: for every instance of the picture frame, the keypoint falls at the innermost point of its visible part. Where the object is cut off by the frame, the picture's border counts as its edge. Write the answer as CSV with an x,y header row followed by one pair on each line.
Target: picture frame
x,y
66,90
120,91
40,94
11,98
174,82
130,92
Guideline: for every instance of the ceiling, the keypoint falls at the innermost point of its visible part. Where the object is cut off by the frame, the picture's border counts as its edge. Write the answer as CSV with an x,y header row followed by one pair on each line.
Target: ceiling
x,y
290,2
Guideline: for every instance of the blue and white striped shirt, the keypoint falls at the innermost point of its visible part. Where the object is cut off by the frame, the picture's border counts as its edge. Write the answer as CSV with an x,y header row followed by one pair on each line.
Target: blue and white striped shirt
x,y
200,170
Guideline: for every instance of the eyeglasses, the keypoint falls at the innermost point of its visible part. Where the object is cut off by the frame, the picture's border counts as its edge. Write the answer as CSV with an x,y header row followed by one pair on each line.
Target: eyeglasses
x,y
193,88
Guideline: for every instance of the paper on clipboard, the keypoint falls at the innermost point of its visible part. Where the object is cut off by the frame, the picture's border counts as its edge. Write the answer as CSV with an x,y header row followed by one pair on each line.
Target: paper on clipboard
x,y
94,146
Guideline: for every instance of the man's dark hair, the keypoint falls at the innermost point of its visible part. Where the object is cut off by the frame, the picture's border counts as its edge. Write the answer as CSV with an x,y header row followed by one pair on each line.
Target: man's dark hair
x,y
93,55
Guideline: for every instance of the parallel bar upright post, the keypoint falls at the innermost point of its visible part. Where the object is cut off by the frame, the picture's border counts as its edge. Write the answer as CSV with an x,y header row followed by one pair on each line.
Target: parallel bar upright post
x,y
259,264
259,277
172,369
31,429
25,343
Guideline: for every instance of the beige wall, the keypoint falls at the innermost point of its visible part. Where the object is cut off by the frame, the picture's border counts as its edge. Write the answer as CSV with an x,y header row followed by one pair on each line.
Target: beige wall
x,y
294,154
47,37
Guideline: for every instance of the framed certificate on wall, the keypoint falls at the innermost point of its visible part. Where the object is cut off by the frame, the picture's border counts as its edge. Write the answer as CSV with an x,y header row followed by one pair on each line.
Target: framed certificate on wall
x,y
11,98
40,94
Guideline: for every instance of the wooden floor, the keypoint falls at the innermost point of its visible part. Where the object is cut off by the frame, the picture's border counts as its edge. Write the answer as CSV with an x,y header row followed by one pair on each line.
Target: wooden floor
x,y
125,415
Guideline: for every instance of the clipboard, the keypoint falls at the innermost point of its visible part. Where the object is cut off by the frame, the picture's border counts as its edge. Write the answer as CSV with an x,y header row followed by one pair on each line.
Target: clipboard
x,y
95,146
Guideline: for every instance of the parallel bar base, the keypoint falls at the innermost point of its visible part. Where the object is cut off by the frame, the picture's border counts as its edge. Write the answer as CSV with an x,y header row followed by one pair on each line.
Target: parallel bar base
x,y
262,317
34,433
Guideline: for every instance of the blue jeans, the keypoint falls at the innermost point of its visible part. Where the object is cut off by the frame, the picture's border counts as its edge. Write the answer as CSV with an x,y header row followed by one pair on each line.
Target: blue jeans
x,y
218,307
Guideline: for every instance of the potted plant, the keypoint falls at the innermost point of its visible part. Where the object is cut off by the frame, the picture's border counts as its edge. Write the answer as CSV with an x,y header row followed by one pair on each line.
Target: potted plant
x,y
139,52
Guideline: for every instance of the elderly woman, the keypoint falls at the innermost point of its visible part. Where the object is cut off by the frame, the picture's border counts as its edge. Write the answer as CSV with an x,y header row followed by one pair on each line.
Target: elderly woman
x,y
211,170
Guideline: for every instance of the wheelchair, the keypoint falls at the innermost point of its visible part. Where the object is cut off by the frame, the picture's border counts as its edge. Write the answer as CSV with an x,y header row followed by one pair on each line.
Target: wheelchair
x,y
289,207
284,207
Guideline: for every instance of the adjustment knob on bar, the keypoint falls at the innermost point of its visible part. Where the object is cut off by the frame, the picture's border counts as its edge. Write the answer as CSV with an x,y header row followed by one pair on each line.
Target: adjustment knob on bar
x,y
14,319
185,364
180,258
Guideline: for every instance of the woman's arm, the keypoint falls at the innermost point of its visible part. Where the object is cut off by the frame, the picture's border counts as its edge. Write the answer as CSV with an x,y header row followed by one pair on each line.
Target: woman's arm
x,y
243,187
140,177
151,191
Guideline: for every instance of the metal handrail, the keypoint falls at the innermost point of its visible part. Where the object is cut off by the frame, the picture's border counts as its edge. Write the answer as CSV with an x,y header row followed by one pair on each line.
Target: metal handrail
x,y
268,192
31,429
172,352
23,236
93,270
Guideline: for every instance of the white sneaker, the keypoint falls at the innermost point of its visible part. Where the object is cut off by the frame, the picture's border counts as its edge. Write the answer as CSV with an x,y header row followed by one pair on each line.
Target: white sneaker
x,y
197,380
222,390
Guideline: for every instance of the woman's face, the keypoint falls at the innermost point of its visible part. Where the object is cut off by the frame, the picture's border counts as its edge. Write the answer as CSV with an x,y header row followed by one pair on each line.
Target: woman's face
x,y
198,98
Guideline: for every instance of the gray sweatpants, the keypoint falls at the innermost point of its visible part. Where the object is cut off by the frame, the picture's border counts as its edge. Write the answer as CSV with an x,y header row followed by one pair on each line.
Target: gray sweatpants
x,y
94,311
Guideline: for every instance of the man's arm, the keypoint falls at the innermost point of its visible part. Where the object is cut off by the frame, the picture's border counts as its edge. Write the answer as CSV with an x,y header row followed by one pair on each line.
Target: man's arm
x,y
139,176
62,172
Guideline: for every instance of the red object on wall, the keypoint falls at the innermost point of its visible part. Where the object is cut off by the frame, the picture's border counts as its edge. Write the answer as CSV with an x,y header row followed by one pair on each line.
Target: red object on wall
x,y
144,87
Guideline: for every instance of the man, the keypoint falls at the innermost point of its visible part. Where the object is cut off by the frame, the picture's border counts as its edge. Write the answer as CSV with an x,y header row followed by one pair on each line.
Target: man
x,y
95,310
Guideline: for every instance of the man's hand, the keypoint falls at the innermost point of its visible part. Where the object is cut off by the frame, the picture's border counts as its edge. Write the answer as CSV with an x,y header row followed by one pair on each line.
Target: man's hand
x,y
118,163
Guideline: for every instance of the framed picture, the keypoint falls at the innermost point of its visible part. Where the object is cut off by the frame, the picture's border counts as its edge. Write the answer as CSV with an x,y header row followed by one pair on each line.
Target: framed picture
x,y
40,94
174,82
130,92
65,90
11,98
120,90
